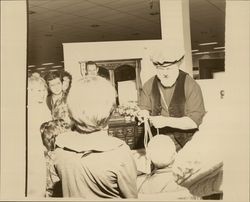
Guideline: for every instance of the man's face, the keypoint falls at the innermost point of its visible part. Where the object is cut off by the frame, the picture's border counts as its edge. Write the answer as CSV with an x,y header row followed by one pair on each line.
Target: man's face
x,y
167,74
55,86
92,69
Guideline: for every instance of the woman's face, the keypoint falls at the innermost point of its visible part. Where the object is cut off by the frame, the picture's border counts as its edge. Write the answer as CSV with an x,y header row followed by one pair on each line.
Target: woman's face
x,y
37,93
66,82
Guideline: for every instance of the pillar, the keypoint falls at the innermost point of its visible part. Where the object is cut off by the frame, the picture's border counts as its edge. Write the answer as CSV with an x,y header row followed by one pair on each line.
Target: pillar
x,y
175,26
13,96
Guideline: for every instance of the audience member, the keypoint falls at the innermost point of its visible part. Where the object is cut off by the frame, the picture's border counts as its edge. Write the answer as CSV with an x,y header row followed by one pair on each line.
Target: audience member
x,y
161,151
67,80
37,114
93,69
56,100
89,163
49,131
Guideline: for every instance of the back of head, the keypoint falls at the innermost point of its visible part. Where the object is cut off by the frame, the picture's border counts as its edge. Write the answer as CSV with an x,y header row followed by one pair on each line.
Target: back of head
x,y
90,102
161,150
50,130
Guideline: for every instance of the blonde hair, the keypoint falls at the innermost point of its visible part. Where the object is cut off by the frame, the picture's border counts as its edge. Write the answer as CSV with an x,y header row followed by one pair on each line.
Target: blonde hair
x,y
90,102
161,150
34,79
35,82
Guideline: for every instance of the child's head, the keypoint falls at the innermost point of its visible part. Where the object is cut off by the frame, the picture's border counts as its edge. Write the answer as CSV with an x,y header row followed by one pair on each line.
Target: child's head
x,y
161,150
50,130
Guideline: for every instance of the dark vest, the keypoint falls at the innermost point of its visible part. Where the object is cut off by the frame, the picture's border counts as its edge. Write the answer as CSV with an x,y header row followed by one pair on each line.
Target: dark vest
x,y
176,108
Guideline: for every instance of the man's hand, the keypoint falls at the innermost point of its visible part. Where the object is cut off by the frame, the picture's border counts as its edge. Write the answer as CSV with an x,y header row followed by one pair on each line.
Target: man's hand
x,y
158,121
142,115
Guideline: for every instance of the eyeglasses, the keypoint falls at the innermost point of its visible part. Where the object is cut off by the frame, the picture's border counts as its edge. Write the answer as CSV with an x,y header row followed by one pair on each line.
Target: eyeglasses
x,y
167,63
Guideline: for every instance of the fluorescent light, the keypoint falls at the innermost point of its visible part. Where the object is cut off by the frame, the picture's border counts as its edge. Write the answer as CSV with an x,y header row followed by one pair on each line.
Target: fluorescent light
x,y
41,68
201,53
57,66
207,44
208,52
222,47
31,65
195,50
49,63
219,51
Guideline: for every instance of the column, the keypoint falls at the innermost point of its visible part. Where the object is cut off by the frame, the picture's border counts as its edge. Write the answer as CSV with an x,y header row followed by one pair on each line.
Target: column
x,y
175,26
13,98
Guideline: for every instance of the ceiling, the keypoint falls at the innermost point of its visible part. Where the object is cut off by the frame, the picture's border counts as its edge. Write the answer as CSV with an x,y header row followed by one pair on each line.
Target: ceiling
x,y
53,22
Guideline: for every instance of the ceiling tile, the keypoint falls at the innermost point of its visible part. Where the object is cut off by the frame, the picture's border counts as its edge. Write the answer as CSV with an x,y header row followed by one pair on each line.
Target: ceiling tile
x,y
36,2
81,6
57,4
102,2
71,20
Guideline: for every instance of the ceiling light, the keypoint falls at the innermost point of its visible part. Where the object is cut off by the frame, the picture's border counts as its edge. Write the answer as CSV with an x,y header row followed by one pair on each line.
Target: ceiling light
x,y
48,35
154,13
208,52
201,53
195,50
95,25
31,12
219,47
49,63
41,68
57,66
207,44
219,51
31,65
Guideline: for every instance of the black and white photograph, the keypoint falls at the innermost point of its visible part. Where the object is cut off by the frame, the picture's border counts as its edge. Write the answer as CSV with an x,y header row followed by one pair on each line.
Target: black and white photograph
x,y
138,100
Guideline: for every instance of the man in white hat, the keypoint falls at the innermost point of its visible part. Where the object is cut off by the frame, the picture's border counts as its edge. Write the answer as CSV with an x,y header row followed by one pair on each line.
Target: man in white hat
x,y
172,99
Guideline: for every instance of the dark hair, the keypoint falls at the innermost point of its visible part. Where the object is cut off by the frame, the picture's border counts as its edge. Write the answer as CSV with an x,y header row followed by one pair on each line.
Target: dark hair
x,y
67,74
50,130
52,75
91,63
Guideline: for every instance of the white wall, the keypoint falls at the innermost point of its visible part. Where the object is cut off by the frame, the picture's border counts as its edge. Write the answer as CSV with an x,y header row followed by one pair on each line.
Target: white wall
x,y
237,69
75,52
13,79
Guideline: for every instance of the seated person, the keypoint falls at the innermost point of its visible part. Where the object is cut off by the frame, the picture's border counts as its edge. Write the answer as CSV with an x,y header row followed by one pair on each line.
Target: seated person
x,y
161,151
50,130
89,163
